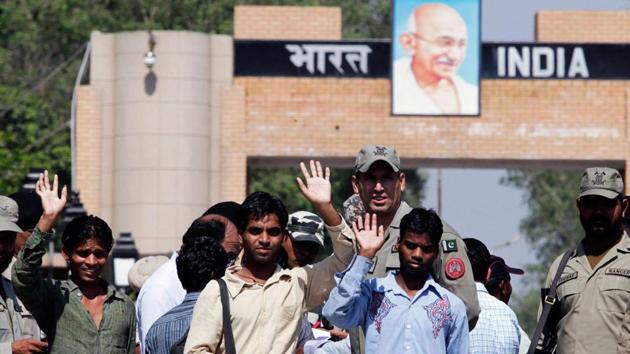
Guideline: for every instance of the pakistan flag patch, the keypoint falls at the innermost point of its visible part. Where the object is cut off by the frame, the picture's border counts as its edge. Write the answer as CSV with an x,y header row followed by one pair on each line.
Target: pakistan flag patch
x,y
449,246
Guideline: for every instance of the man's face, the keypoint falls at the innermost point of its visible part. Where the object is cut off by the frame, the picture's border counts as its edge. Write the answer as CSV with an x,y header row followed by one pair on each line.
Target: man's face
x,y
600,216
380,188
300,254
7,247
438,46
416,254
262,239
87,260
232,243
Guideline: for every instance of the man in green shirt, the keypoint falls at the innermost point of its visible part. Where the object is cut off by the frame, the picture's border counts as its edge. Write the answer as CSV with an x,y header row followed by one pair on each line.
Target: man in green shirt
x,y
82,314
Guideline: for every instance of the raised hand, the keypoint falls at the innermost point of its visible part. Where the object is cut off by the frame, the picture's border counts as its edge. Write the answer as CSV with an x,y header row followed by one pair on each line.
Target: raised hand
x,y
316,186
52,203
368,234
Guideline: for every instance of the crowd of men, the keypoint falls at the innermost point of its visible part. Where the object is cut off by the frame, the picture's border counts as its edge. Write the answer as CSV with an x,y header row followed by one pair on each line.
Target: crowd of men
x,y
247,279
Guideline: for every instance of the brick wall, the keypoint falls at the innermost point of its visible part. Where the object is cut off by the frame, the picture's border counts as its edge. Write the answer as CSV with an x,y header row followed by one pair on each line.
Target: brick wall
x,y
88,149
287,22
583,26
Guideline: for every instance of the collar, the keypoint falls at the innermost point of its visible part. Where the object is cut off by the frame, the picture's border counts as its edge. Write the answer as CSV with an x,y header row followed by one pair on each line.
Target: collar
x,y
235,284
391,285
110,294
403,210
481,287
191,297
622,246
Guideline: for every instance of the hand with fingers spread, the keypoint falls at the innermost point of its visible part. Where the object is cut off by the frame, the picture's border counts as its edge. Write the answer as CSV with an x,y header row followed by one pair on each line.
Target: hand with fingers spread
x,y
316,186
368,234
52,203
317,189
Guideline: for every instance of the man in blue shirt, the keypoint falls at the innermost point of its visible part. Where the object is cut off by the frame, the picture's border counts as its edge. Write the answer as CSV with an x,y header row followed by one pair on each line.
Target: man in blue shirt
x,y
406,311
200,259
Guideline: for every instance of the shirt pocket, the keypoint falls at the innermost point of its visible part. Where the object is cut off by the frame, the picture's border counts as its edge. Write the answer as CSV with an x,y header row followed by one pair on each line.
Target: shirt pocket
x,y
614,293
569,293
5,328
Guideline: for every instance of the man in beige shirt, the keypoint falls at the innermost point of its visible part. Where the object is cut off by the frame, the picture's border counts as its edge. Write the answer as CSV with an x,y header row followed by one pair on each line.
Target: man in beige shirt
x,y
267,303
594,288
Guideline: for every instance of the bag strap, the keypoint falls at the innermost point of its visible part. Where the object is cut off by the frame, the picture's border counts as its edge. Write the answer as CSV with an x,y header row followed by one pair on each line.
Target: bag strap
x,y
228,336
548,302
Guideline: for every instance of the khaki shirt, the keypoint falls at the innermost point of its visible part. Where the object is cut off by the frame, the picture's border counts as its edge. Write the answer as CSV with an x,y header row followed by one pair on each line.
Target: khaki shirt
x,y
595,317
15,321
464,287
267,318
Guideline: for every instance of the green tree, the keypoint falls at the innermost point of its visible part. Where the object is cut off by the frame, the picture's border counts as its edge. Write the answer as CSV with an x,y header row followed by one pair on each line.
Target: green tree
x,y
24,143
551,228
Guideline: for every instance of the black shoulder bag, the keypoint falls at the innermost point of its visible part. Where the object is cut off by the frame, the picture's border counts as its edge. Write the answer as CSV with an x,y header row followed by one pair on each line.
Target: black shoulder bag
x,y
228,336
549,316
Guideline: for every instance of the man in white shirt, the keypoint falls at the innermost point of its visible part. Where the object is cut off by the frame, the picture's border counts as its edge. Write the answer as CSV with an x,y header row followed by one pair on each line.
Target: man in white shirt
x,y
426,82
163,290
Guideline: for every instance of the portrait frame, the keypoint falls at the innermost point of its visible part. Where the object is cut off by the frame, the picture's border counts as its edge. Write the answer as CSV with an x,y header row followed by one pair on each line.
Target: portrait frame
x,y
467,78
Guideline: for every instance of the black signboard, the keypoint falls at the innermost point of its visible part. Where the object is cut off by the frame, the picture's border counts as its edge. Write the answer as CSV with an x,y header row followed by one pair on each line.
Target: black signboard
x,y
311,59
371,59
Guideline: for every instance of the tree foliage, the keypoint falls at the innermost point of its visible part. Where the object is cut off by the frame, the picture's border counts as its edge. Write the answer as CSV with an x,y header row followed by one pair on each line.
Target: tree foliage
x,y
25,144
553,225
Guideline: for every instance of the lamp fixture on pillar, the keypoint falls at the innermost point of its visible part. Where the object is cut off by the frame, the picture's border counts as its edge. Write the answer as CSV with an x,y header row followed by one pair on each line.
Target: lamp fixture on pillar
x,y
124,255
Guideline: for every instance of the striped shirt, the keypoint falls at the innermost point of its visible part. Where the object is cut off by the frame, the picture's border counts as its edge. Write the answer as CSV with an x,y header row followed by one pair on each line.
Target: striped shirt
x,y
171,327
497,330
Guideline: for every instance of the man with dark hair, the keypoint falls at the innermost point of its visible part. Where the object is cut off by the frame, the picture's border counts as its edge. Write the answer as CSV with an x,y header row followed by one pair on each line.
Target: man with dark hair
x,y
163,290
594,286
267,303
83,314
499,280
406,311
497,330
22,333
200,259
30,207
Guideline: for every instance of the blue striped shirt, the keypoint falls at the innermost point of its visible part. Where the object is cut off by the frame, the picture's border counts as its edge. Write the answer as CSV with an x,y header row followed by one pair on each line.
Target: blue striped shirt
x,y
171,327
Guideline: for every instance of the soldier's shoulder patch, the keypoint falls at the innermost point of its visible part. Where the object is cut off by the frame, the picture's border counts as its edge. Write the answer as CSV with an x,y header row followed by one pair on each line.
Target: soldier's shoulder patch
x,y
618,271
566,277
449,246
454,268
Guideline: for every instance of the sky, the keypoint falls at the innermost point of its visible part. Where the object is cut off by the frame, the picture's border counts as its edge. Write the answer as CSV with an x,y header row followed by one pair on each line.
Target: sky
x,y
473,201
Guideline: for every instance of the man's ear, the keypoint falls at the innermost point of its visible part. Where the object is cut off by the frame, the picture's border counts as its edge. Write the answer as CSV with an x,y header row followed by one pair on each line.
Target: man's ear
x,y
355,184
624,206
488,273
403,181
65,254
408,42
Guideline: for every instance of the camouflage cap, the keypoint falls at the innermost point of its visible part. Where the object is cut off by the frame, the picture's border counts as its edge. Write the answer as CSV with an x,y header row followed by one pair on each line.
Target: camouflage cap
x,y
369,154
306,227
8,214
602,181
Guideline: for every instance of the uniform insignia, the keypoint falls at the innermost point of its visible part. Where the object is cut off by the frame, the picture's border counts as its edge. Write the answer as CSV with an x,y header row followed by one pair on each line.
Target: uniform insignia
x,y
380,151
618,271
454,268
449,246
565,278
380,307
395,248
439,312
599,178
